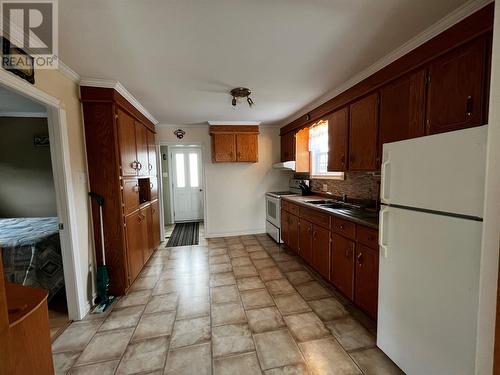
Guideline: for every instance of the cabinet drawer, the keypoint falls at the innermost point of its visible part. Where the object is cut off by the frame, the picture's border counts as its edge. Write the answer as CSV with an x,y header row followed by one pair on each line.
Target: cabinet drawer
x,y
290,207
315,217
344,227
130,188
367,236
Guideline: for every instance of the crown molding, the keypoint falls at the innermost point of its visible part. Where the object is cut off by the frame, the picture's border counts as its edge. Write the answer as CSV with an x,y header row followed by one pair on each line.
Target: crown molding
x,y
437,28
68,72
95,82
235,123
185,126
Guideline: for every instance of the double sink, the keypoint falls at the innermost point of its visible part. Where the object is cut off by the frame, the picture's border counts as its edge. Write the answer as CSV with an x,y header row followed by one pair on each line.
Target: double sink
x,y
345,208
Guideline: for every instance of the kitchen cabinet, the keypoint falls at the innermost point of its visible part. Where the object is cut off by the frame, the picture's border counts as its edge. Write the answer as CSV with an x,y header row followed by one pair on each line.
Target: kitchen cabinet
x,y
148,249
154,228
321,251
234,144
290,230
288,147
366,290
363,131
338,140
130,191
141,140
305,241
342,274
402,109
136,241
456,89
284,226
152,163
126,143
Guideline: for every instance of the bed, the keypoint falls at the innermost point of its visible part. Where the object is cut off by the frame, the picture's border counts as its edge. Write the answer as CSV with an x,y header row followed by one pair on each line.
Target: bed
x,y
31,252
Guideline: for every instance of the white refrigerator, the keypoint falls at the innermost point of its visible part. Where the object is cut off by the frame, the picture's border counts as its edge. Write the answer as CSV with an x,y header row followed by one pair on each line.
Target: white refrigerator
x,y
430,248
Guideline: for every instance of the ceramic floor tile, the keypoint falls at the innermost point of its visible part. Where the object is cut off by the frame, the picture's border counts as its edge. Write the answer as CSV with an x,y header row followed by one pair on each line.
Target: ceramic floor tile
x,y
154,325
193,307
143,283
375,362
76,336
218,251
241,261
253,299
290,266
221,267
190,332
106,346
249,283
64,361
164,302
265,319
189,360
351,334
299,369
244,271
134,299
105,368
243,364
220,279
306,327
228,313
254,248
237,253
223,294
259,255
219,259
142,356
326,356
231,339
264,263
280,286
291,304
270,273
277,349
328,308
312,290
123,318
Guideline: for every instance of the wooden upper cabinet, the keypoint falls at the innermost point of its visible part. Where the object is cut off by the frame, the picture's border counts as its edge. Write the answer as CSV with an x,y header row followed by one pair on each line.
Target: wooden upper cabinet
x,y
141,139
126,143
288,147
402,109
224,147
338,140
363,131
247,147
457,88
152,167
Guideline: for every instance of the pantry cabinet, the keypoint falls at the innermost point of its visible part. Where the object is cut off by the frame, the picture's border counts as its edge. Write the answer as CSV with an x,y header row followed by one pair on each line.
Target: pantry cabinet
x,y
135,225
234,144
338,140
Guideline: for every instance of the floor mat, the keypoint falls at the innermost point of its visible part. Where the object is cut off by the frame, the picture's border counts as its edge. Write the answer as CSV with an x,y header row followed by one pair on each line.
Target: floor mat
x,y
184,234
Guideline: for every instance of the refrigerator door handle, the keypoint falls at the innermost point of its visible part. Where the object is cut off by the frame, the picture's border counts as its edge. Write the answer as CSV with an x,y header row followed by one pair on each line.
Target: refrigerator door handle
x,y
384,188
382,232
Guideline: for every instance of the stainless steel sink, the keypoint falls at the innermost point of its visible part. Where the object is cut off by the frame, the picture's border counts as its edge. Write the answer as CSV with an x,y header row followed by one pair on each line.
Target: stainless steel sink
x,y
333,205
318,202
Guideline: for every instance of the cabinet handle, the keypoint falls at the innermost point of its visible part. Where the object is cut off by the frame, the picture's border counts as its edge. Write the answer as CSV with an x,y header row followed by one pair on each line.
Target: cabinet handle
x,y
150,166
134,165
469,106
347,253
151,185
136,188
360,259
139,165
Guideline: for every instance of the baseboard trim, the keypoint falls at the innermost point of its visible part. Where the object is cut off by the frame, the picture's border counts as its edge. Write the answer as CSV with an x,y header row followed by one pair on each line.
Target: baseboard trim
x,y
235,233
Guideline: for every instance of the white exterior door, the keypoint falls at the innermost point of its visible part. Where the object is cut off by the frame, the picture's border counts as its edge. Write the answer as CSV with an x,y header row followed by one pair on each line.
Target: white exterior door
x,y
187,183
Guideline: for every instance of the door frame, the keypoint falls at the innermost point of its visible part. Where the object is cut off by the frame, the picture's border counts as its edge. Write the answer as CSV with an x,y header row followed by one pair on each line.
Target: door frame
x,y
61,169
171,144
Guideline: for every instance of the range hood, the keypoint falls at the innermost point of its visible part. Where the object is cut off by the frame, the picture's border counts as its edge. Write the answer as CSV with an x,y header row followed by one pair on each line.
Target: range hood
x,y
286,166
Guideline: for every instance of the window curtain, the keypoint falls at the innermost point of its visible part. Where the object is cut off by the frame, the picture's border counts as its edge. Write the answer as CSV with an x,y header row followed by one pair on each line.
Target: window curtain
x,y
318,137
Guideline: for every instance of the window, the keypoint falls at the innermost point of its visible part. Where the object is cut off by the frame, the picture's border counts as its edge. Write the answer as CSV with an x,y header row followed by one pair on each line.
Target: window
x,y
318,147
179,166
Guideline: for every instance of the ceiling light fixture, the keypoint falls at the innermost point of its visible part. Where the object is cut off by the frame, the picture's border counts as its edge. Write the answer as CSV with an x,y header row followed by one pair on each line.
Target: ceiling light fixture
x,y
241,92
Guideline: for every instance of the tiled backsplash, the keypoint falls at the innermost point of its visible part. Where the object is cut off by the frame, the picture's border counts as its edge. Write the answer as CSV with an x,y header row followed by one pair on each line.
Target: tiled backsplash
x,y
358,185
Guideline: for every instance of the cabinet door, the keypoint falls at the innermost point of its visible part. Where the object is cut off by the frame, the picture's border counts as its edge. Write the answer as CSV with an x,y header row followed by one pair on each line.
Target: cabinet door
x,y
141,139
152,168
224,147
402,109
293,233
153,185
126,142
155,225
305,240
342,274
366,292
363,130
247,147
321,251
130,191
135,242
456,89
148,247
338,140
285,220
288,147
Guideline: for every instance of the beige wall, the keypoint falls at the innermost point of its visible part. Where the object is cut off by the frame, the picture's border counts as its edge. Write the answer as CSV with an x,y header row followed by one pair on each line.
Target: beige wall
x,y
27,187
235,191
56,84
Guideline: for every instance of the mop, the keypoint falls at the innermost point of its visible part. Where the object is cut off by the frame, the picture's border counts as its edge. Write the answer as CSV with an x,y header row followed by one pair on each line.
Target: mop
x,y
103,299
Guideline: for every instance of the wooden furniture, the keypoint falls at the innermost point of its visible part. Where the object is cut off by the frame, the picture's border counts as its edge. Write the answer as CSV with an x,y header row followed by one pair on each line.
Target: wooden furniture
x,y
440,86
343,252
288,147
121,155
235,144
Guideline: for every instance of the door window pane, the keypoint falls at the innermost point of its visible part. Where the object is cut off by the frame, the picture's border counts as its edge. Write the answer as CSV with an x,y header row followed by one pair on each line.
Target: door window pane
x,y
179,167
193,170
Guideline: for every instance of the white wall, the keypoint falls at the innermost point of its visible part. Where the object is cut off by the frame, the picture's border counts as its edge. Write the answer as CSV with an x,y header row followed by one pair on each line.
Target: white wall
x,y
491,224
234,191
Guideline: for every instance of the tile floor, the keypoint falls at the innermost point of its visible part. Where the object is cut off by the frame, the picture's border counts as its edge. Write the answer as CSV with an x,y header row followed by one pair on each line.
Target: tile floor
x,y
235,305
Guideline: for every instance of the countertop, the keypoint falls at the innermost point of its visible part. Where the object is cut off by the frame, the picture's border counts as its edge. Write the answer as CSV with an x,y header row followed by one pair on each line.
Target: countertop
x,y
301,200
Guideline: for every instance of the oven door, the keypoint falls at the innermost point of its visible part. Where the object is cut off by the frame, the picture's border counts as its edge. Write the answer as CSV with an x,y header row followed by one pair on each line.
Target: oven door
x,y
273,211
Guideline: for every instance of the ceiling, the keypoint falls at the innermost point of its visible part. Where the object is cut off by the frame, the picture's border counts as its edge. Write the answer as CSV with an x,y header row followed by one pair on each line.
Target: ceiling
x,y
180,58
15,105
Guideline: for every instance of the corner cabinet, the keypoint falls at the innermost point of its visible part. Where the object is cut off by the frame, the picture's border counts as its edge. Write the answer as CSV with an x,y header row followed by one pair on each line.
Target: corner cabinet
x,y
235,144
122,167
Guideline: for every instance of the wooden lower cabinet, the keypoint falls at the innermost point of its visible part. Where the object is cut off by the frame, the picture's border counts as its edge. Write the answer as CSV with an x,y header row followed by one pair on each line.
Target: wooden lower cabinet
x,y
284,226
342,275
290,231
321,250
154,228
136,233
366,289
305,241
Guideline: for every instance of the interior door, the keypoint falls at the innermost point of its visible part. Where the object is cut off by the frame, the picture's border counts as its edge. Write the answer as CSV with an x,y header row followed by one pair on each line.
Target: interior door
x,y
187,183
126,142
